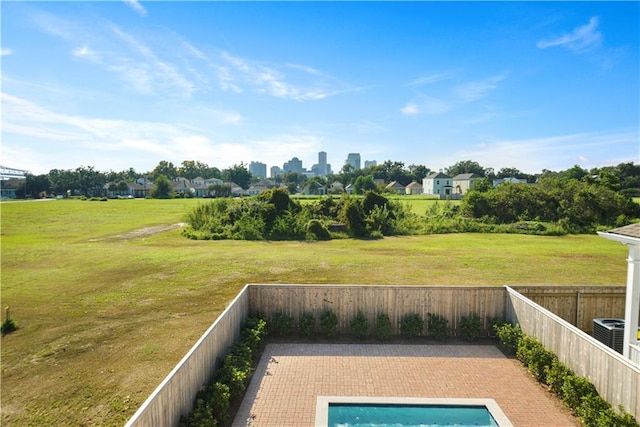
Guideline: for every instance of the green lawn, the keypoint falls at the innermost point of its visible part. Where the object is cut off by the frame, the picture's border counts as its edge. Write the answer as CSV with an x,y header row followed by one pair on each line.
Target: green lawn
x,y
105,315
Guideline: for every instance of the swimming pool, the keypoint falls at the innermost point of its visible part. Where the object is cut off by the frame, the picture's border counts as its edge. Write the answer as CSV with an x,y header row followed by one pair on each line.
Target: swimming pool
x,y
340,411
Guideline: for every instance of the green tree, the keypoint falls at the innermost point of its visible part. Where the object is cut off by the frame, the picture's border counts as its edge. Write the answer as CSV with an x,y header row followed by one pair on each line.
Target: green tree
x,y
162,188
165,168
238,174
465,166
418,172
364,184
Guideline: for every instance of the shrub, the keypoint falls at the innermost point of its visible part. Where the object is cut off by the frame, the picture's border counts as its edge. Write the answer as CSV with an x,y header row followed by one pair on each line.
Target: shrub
x,y
438,326
359,326
202,412
307,324
329,324
253,334
556,375
574,389
470,327
317,229
590,409
508,336
352,216
382,328
235,378
282,324
411,325
220,401
8,326
493,323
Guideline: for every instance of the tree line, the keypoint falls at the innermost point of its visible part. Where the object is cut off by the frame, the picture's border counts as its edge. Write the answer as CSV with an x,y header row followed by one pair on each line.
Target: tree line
x,y
87,181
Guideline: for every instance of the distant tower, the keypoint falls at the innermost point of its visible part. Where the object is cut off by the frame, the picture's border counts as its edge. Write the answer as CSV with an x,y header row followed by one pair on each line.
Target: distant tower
x,y
293,165
275,171
354,160
322,163
258,169
370,163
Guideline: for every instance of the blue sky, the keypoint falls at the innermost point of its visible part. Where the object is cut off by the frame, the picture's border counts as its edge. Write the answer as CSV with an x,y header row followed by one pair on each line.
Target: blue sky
x,y
114,85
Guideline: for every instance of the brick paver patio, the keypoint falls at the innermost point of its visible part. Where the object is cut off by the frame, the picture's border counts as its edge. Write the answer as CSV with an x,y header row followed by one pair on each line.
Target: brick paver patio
x,y
289,377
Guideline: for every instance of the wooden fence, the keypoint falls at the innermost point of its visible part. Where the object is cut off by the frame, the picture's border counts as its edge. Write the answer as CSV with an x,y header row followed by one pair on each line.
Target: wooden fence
x,y
175,395
346,301
578,305
616,378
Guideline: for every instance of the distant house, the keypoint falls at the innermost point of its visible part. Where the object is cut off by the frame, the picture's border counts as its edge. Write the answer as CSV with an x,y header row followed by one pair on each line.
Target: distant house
x,y
336,187
260,187
395,187
9,186
315,188
182,186
462,183
437,183
236,190
511,179
413,188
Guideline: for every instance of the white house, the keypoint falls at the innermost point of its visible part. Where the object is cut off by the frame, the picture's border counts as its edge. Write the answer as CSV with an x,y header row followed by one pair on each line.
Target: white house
x,y
630,237
437,183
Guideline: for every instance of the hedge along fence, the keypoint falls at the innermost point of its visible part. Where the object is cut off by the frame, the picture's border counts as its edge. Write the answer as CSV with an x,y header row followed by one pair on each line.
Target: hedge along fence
x,y
174,396
347,301
616,378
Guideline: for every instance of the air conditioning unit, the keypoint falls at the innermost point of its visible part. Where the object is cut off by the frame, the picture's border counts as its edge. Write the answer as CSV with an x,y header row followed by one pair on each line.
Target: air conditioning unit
x,y
610,332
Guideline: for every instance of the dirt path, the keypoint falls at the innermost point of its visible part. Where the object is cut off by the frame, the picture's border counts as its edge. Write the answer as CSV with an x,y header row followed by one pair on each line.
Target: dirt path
x,y
143,232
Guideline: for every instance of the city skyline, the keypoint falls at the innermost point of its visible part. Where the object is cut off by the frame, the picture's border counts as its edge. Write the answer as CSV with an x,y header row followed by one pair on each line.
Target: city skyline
x,y
114,85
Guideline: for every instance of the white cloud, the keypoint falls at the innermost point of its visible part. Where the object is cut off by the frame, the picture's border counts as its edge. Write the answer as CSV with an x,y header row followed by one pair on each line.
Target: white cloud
x,y
583,39
302,83
554,152
136,6
118,141
430,79
5,51
410,109
148,74
473,91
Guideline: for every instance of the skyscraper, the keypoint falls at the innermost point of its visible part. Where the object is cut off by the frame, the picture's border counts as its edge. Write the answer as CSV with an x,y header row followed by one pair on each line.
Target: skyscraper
x,y
369,163
353,159
258,169
322,163
293,165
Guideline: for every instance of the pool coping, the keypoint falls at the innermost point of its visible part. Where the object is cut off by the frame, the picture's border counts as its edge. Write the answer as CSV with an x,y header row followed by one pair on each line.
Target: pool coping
x,y
322,405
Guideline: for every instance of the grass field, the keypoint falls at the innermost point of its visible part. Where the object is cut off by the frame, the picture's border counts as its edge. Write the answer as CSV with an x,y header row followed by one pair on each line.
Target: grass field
x,y
106,306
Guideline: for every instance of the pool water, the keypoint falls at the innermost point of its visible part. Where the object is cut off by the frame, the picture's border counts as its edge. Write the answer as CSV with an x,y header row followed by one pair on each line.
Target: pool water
x,y
394,415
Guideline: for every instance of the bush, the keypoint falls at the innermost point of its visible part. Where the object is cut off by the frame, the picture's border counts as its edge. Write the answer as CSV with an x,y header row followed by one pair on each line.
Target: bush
x,y
307,324
470,327
438,326
212,403
8,326
508,336
493,323
382,328
576,388
411,325
282,324
359,326
317,229
556,375
329,324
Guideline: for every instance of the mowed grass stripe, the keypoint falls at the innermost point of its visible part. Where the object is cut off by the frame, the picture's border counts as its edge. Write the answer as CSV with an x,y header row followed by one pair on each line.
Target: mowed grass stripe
x,y
103,319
